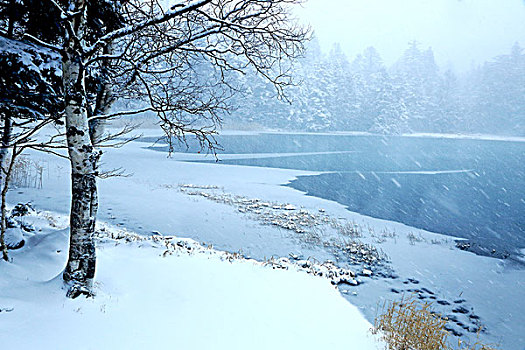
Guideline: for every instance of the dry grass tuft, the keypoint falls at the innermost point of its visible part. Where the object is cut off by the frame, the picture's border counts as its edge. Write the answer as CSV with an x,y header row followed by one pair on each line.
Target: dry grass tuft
x,y
409,324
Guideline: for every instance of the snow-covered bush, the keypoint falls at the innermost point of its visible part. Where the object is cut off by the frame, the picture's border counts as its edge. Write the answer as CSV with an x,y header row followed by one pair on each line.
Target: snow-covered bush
x,y
22,209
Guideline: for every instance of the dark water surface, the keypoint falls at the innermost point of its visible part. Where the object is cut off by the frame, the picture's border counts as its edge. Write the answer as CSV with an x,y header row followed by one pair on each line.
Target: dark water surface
x,y
468,188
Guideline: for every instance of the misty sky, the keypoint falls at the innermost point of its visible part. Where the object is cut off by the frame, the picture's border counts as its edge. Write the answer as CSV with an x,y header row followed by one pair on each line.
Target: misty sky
x,y
459,31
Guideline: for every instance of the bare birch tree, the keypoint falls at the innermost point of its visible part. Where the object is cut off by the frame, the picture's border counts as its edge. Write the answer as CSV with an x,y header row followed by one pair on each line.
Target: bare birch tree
x,y
153,53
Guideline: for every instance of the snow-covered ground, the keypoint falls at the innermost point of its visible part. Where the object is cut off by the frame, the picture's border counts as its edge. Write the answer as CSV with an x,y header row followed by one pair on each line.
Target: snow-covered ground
x,y
472,290
167,293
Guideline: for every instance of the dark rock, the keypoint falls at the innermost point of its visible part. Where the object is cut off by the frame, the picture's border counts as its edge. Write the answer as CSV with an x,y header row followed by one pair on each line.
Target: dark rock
x,y
453,331
460,310
427,290
411,290
463,245
483,249
443,302
473,329
349,281
462,325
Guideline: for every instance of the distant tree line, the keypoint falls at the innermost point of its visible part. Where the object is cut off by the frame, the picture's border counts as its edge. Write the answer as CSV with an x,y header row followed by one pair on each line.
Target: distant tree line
x,y
413,95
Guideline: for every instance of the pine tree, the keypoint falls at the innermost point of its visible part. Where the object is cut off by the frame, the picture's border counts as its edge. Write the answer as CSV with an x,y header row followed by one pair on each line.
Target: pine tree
x,y
502,87
30,93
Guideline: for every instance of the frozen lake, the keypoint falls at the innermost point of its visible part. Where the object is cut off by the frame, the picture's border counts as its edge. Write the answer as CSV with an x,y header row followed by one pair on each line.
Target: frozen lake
x,y
467,188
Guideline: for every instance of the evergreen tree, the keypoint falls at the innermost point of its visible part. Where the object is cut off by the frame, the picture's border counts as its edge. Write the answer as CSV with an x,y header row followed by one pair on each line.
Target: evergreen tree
x,y
501,101
417,74
309,100
30,92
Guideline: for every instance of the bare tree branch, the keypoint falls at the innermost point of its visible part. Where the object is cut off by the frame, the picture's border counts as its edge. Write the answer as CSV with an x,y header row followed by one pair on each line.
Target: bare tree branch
x,y
176,10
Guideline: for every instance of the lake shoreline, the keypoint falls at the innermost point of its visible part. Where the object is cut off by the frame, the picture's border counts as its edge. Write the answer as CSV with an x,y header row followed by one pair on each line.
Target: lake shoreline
x,y
468,186
144,203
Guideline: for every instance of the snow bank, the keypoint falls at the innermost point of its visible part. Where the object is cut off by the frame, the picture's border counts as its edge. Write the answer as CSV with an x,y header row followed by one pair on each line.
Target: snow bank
x,y
484,137
150,300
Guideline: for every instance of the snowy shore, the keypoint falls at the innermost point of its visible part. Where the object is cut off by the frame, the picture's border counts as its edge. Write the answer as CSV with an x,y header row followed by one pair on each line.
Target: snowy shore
x,y
481,290
168,293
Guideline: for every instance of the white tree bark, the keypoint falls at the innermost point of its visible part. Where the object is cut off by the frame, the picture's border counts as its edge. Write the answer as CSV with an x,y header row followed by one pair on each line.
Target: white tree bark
x,y
4,180
80,270
4,146
7,170
3,213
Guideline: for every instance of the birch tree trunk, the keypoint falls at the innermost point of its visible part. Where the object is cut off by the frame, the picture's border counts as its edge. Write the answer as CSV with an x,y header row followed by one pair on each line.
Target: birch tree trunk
x,y
80,270
7,170
4,179
3,223
4,146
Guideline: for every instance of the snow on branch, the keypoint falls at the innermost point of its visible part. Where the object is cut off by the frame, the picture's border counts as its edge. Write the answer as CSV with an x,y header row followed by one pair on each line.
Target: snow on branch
x,y
42,43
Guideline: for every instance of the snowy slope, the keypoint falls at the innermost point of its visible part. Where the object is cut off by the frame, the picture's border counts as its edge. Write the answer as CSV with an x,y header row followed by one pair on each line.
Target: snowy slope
x,y
147,299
